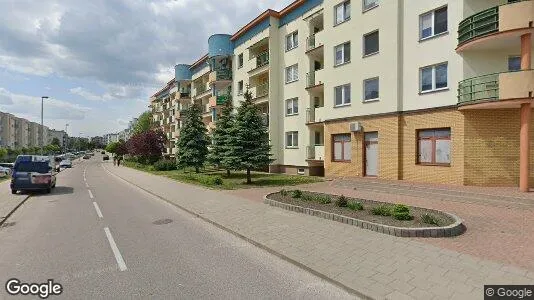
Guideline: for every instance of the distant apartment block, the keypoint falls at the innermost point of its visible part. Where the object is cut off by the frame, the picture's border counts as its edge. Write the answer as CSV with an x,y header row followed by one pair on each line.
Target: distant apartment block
x,y
428,91
18,133
61,135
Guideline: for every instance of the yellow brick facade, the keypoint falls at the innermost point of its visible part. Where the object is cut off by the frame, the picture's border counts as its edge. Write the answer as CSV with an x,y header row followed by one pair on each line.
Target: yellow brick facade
x,y
484,150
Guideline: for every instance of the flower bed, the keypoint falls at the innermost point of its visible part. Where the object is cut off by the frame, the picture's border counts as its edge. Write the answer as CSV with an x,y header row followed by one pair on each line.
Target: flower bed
x,y
394,219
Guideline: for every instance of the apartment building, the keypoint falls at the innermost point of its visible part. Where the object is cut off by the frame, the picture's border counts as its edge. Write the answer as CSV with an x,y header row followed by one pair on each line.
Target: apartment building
x,y
163,108
34,139
61,135
22,133
7,130
435,91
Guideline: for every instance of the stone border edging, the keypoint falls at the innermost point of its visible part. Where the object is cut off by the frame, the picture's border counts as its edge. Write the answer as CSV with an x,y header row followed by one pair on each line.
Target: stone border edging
x,y
455,229
3,219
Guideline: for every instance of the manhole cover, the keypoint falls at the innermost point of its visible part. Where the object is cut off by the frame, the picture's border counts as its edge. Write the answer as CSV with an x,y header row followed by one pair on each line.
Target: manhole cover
x,y
8,224
162,221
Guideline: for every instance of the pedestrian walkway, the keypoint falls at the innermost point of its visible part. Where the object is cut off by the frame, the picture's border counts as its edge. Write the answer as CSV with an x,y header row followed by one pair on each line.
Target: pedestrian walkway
x,y
377,265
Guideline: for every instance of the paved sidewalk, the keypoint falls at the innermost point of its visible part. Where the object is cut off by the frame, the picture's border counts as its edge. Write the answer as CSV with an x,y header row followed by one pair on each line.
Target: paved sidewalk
x,y
377,265
8,202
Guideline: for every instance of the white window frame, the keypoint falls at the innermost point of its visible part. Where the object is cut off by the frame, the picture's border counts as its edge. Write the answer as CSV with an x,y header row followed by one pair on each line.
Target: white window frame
x,y
343,92
363,43
342,45
346,16
434,89
375,3
364,85
292,101
432,13
294,139
294,38
294,73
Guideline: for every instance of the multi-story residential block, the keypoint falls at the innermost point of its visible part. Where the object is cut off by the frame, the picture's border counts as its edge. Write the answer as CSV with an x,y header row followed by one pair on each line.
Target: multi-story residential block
x,y
111,138
98,140
7,130
163,109
61,135
22,132
436,91
34,138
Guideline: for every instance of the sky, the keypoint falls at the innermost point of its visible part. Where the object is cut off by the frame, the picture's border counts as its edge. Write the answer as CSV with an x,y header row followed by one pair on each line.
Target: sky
x,y
100,60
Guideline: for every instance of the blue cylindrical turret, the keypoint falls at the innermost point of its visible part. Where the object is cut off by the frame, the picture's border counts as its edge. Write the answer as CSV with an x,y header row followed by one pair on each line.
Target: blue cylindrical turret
x,y
220,45
182,72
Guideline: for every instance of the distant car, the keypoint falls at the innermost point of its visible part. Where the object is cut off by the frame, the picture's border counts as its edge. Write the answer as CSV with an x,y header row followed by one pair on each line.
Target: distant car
x,y
66,163
8,166
105,157
103,152
4,172
33,172
86,156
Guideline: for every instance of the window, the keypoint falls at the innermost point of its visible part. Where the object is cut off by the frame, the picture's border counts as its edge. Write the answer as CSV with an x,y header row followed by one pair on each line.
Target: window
x,y
433,78
342,12
342,95
514,63
240,87
292,139
370,43
342,54
240,61
318,138
370,88
434,146
292,73
292,107
369,4
342,147
433,23
292,40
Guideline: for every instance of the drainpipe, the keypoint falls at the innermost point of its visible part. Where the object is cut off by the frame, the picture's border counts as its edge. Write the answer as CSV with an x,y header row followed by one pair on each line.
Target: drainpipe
x,y
524,139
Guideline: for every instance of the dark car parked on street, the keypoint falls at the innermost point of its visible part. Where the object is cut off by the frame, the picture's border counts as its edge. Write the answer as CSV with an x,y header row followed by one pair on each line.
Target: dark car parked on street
x,y
105,157
33,172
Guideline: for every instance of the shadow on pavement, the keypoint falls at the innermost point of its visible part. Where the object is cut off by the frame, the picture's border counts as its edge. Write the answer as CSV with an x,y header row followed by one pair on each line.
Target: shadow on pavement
x,y
58,190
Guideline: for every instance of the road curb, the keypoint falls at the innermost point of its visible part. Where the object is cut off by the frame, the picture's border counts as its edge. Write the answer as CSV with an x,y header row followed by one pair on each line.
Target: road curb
x,y
4,219
253,242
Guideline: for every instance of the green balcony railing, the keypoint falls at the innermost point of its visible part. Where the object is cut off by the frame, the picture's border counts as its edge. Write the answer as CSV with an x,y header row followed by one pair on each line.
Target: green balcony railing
x,y
262,90
484,87
222,99
224,74
479,24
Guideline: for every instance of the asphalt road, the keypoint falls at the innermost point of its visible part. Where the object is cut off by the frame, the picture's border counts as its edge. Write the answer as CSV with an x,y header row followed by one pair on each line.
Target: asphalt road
x,y
100,237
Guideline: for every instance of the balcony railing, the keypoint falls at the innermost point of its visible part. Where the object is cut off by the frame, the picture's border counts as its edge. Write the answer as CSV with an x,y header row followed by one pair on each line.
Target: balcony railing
x,y
310,42
479,24
310,115
223,74
222,99
310,152
262,90
262,59
479,88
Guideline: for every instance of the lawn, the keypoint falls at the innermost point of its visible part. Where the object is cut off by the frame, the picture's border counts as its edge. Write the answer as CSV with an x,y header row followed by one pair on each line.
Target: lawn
x,y
218,179
2,179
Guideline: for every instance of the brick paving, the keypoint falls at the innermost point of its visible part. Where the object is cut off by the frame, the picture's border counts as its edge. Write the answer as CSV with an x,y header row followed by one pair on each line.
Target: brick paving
x,y
377,265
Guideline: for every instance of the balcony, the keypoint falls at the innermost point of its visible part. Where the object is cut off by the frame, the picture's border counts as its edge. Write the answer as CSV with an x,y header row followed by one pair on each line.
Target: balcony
x,y
496,26
260,91
315,115
202,90
493,90
220,75
261,65
314,79
314,43
315,152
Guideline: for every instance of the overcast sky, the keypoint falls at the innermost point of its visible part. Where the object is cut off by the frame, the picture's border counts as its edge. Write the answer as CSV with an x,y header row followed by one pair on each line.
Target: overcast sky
x,y
100,60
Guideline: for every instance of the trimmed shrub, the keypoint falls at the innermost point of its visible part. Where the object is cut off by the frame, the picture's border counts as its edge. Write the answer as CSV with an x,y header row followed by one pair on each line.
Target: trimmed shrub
x,y
307,197
296,194
324,199
283,192
165,165
429,219
402,212
353,205
342,201
381,210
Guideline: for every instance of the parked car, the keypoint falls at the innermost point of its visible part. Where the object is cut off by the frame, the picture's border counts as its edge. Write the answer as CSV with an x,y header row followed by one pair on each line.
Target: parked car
x,y
86,156
8,166
105,157
103,152
66,163
4,172
33,172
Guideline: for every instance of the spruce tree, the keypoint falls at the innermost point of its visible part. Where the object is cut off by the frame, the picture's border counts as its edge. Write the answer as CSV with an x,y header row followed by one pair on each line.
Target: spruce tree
x,y
251,144
221,150
193,140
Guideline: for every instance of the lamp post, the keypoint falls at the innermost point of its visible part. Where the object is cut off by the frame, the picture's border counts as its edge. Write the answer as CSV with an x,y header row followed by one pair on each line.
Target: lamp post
x,y
42,126
66,138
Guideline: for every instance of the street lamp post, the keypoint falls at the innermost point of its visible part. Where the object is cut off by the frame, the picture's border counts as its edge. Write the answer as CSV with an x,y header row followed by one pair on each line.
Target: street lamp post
x,y
66,139
42,125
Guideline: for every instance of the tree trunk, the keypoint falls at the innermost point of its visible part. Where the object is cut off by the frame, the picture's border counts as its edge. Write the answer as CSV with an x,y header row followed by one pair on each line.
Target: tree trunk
x,y
249,179
197,170
228,172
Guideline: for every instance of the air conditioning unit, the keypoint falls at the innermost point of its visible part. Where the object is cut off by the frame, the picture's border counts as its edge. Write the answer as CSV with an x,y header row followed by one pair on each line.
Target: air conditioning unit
x,y
355,127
